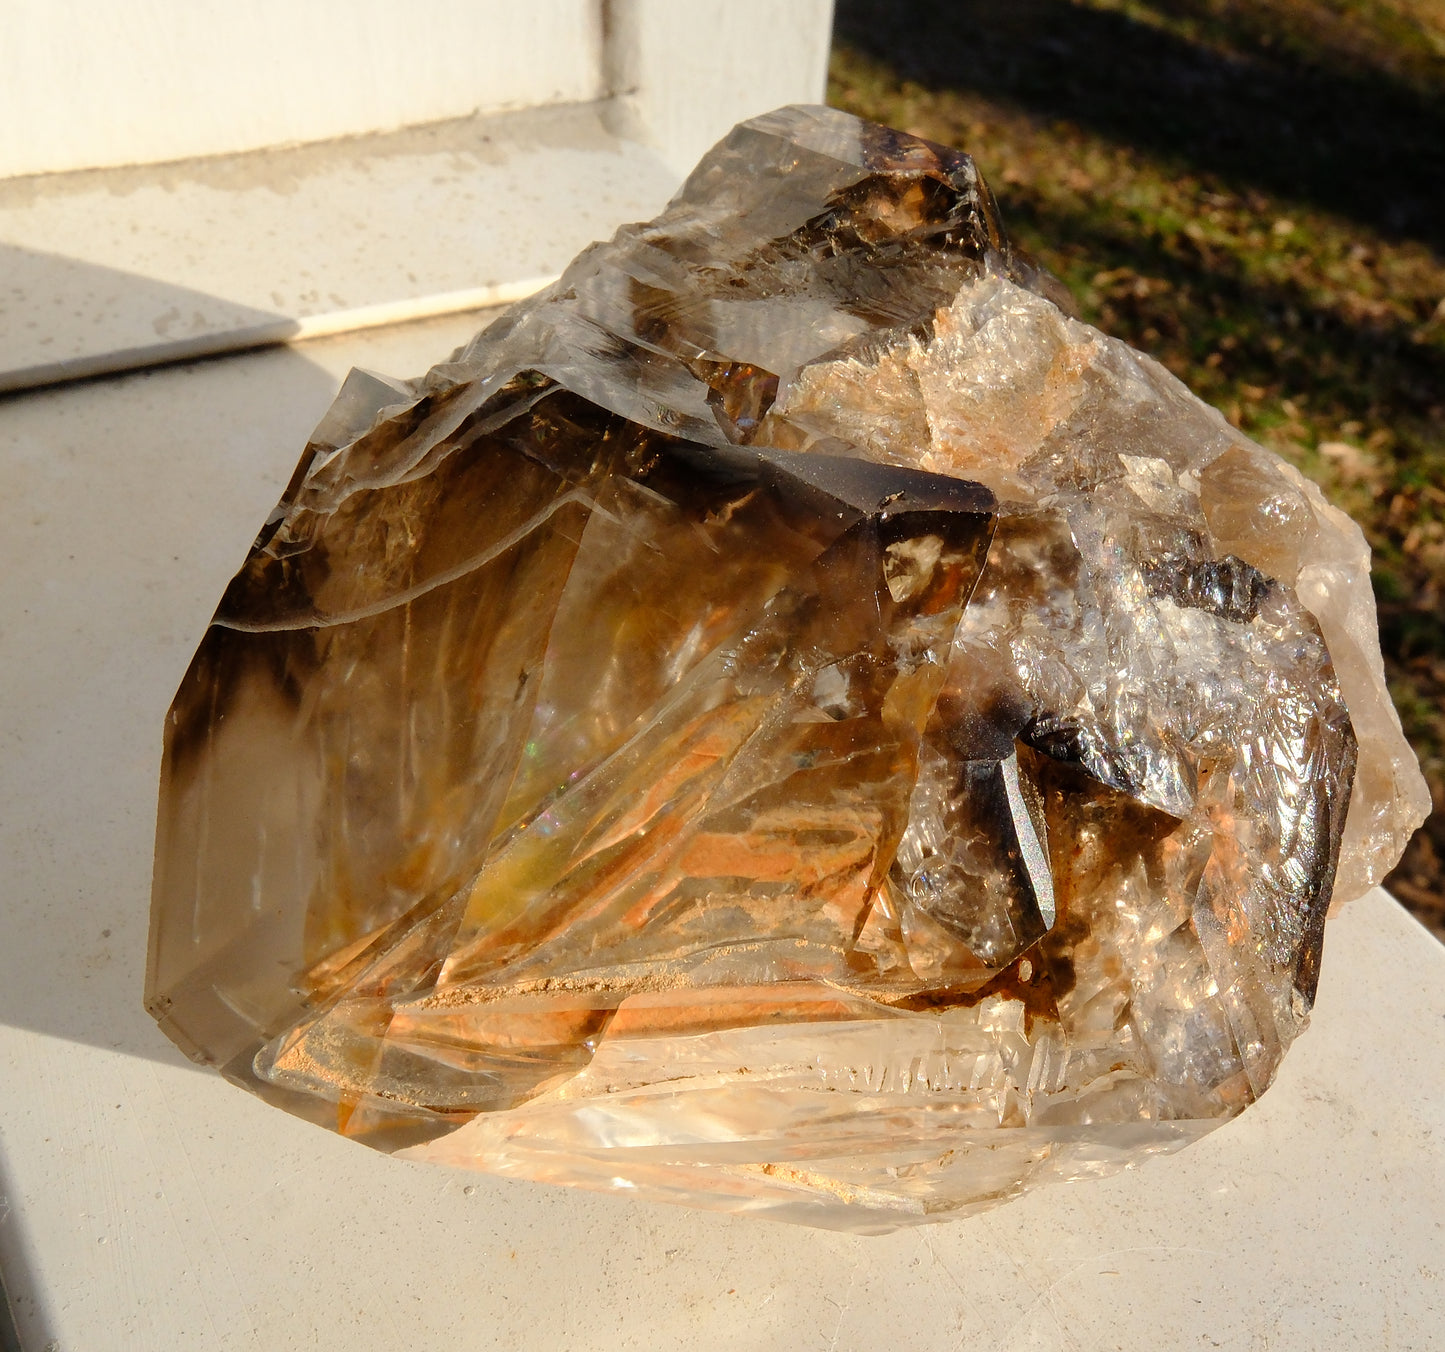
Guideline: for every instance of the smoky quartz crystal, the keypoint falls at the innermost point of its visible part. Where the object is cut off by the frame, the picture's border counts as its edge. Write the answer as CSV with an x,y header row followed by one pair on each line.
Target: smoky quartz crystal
x,y
786,720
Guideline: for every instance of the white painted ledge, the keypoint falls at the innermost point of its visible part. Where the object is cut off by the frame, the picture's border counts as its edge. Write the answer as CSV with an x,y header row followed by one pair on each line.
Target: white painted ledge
x,y
115,269
145,1204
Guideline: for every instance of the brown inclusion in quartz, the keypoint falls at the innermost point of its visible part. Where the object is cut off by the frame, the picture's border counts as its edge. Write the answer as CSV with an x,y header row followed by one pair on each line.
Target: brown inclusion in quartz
x,y
786,720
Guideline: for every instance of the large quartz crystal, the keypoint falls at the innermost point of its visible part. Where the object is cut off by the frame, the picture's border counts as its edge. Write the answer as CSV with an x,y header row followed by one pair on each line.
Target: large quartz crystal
x,y
787,720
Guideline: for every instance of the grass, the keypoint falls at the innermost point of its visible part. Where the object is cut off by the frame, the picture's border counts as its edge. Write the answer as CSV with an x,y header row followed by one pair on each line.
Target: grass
x,y
1253,191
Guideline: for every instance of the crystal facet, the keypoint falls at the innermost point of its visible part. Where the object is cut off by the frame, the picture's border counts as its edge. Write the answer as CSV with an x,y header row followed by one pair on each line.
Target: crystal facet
x,y
787,720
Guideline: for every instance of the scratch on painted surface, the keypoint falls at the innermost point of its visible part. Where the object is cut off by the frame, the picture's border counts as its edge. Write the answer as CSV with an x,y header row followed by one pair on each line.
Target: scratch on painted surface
x,y
843,1309
940,1266
1046,1296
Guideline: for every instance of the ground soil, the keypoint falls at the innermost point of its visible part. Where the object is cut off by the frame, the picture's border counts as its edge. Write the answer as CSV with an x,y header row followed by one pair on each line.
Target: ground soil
x,y
1253,191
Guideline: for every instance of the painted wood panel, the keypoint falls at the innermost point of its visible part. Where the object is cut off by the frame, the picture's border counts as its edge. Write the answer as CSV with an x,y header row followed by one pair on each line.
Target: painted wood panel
x,y
89,83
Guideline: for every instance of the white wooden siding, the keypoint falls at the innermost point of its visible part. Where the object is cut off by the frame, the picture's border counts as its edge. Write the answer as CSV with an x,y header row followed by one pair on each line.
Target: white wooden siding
x,y
88,83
